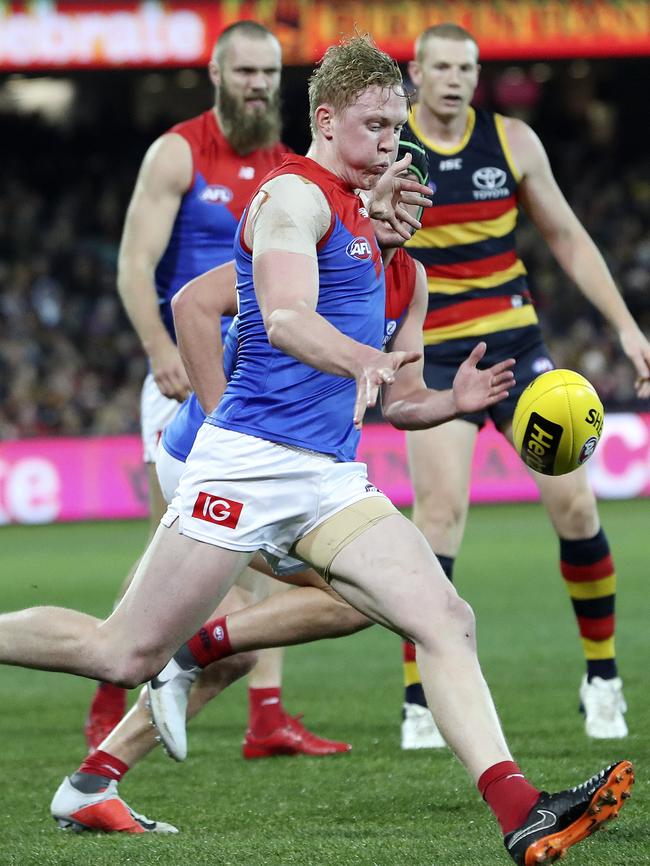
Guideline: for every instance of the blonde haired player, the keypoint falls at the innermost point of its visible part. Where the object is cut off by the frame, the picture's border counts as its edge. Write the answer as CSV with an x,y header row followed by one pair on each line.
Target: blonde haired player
x,y
191,190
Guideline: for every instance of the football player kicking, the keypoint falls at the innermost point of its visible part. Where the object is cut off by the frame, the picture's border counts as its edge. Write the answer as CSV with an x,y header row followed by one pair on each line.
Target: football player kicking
x,y
89,798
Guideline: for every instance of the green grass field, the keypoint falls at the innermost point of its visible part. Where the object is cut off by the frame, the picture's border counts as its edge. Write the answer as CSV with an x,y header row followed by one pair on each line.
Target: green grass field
x,y
374,807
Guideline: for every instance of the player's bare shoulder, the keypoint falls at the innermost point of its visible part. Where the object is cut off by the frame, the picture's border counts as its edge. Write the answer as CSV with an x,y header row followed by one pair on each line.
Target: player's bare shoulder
x,y
525,146
168,163
289,211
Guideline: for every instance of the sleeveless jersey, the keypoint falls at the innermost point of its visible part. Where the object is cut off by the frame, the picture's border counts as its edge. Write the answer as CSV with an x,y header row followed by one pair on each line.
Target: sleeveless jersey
x,y
179,435
271,394
477,283
204,230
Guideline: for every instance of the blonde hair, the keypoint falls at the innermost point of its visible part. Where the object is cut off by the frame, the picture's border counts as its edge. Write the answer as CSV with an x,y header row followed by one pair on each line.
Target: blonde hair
x,y
348,69
446,30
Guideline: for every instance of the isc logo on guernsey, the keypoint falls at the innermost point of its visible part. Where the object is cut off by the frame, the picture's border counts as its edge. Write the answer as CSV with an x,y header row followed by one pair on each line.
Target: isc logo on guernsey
x,y
216,509
359,248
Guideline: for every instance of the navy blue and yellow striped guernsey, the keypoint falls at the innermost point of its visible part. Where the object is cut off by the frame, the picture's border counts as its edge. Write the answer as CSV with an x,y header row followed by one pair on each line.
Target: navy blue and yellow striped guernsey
x,y
477,283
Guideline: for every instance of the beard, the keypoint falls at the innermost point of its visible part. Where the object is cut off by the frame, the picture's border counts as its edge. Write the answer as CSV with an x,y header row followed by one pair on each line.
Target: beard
x,y
248,130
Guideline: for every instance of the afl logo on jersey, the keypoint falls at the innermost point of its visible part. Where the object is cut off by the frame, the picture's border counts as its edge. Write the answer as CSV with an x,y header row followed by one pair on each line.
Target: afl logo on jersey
x,y
359,248
490,183
216,194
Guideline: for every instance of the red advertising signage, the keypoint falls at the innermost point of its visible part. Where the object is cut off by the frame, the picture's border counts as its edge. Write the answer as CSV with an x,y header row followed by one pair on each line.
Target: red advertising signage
x,y
43,34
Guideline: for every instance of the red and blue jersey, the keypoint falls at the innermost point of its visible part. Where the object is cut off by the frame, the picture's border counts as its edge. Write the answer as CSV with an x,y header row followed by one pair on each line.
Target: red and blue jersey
x,y
400,285
271,394
204,230
179,435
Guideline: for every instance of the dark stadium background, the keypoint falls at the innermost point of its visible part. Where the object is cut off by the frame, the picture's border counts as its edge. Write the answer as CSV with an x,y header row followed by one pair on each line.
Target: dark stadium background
x,y
70,363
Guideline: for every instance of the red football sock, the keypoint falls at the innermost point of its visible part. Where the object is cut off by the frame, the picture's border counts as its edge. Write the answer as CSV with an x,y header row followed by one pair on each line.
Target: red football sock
x,y
210,643
265,711
102,764
508,794
108,698
408,651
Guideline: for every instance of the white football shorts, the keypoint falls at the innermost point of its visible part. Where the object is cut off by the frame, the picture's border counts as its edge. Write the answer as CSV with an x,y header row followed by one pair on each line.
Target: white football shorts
x,y
245,493
156,411
169,470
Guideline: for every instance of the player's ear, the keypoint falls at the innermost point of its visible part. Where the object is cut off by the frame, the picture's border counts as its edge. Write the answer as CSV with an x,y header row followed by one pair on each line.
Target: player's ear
x,y
324,117
415,73
215,73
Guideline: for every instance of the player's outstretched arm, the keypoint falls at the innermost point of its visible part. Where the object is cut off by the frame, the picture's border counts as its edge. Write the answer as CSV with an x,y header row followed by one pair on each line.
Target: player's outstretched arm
x,y
572,246
407,402
164,177
198,309
393,193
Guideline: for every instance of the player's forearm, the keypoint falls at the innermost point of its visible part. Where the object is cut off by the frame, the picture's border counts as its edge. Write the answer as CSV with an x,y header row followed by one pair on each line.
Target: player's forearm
x,y
313,340
199,342
138,294
421,409
582,261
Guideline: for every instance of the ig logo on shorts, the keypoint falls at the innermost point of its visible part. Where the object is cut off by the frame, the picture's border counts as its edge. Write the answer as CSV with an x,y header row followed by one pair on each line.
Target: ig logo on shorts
x,y
360,249
216,509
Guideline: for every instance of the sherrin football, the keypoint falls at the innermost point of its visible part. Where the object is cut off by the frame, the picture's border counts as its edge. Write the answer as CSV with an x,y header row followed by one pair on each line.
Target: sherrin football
x,y
557,422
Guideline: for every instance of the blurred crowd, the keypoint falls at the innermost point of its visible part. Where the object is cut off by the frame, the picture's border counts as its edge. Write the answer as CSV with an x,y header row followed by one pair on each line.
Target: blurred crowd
x,y
69,361
71,364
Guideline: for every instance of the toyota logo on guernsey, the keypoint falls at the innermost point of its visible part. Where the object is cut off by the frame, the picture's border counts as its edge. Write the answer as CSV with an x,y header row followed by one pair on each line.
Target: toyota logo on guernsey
x,y
216,194
490,183
359,248
216,509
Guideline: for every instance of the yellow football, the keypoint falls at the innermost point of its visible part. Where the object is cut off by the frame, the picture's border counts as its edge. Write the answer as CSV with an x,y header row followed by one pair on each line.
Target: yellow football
x,y
557,422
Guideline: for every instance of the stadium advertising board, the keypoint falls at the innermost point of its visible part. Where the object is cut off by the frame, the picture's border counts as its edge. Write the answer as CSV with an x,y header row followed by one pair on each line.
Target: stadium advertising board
x,y
48,480
43,34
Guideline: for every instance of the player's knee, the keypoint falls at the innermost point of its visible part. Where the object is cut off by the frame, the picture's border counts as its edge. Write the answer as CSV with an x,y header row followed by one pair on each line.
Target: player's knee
x,y
577,516
460,621
464,619
125,674
130,667
453,624
440,513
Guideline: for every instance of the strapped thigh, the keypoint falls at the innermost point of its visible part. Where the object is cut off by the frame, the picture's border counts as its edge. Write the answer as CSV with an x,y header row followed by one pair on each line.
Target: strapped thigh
x,y
320,546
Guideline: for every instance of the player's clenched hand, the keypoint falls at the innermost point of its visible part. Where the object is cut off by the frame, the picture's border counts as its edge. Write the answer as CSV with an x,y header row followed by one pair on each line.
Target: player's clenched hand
x,y
169,372
389,198
476,389
377,370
